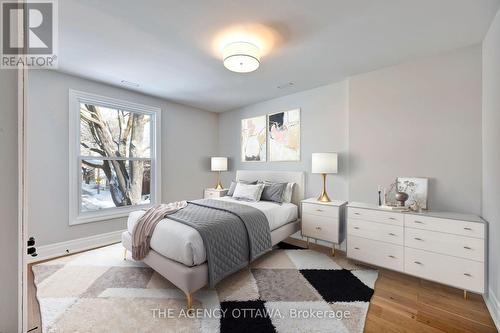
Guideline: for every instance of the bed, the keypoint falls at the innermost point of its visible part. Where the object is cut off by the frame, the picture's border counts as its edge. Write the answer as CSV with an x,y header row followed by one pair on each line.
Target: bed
x,y
177,250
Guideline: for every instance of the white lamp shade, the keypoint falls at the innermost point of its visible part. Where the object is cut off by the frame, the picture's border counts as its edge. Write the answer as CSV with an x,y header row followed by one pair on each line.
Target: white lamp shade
x,y
324,163
219,163
241,57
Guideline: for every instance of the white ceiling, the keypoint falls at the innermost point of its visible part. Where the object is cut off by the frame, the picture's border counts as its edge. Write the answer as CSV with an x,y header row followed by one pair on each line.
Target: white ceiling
x,y
171,47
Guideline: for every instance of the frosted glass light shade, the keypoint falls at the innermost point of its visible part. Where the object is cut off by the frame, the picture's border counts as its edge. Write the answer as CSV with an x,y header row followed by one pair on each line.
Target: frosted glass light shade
x,y
324,163
241,57
219,163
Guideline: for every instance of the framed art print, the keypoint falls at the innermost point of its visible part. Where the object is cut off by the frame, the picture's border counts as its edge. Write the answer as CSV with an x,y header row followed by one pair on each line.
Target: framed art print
x,y
253,139
284,136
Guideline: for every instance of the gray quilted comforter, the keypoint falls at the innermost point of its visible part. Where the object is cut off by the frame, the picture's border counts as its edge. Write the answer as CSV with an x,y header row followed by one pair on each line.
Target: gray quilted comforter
x,y
233,234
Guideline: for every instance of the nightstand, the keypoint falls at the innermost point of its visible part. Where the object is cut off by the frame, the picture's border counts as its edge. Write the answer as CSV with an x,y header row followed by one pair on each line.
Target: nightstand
x,y
214,193
323,220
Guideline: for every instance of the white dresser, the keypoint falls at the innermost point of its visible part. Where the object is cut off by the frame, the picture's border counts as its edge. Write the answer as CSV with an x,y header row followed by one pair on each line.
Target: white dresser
x,y
443,247
323,220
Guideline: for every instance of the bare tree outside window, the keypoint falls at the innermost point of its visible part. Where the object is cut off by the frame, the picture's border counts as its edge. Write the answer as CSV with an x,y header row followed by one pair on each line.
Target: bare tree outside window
x,y
115,158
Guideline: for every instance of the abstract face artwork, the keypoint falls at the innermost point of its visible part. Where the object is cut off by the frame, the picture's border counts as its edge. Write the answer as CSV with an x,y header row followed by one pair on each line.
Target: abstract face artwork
x,y
284,136
253,139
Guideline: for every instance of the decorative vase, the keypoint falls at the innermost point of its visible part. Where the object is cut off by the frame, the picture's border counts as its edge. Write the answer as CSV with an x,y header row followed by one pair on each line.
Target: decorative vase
x,y
401,197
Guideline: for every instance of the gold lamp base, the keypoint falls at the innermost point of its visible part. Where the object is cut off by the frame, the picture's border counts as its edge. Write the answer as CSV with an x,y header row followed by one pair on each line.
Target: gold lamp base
x,y
324,196
219,184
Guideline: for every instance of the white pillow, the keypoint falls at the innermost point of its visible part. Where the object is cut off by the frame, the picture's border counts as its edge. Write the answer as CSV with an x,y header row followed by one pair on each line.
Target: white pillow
x,y
288,192
248,192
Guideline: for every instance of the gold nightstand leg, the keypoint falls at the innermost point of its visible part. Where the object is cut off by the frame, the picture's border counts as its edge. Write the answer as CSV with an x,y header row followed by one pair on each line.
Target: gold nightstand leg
x,y
125,255
189,300
465,295
333,250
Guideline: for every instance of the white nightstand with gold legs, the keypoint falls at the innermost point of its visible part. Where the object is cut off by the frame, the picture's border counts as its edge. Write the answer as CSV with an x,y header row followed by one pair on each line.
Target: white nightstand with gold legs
x,y
323,221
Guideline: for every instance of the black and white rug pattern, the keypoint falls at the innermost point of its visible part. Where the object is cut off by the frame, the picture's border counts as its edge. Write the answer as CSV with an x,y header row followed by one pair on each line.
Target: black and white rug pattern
x,y
287,290
300,290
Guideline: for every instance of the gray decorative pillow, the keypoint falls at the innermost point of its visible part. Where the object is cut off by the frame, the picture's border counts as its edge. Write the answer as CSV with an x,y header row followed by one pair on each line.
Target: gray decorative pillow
x,y
273,192
248,192
230,192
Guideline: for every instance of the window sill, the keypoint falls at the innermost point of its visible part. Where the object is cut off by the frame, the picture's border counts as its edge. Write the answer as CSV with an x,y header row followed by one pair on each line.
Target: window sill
x,y
106,215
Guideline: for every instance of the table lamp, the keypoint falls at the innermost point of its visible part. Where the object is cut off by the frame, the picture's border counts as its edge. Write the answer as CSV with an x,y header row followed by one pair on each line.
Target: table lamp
x,y
324,163
219,164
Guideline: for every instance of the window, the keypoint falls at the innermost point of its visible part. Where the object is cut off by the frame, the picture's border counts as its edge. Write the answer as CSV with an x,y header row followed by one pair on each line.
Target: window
x,y
114,157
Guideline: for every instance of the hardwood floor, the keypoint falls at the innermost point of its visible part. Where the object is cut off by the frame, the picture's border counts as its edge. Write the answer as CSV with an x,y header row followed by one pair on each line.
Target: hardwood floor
x,y
401,304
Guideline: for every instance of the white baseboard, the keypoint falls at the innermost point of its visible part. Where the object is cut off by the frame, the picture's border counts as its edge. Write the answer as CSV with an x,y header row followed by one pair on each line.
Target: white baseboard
x,y
76,245
493,306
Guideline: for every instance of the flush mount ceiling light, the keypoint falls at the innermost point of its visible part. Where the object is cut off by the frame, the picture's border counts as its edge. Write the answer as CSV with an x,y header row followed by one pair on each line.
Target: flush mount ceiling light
x,y
241,57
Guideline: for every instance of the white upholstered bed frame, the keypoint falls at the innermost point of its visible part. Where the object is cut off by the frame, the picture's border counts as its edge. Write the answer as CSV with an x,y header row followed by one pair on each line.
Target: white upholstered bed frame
x,y
192,278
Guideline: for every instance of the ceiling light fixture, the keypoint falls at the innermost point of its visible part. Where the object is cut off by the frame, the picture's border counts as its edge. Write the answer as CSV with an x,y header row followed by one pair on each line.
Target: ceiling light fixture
x,y
241,57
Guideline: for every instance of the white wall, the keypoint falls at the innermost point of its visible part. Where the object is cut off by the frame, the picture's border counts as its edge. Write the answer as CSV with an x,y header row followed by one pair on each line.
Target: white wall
x,y
189,138
423,119
491,153
9,279
323,129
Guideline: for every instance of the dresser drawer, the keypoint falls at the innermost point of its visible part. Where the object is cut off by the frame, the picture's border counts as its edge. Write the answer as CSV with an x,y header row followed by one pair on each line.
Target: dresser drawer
x,y
457,272
320,210
454,245
376,231
375,216
375,252
320,227
456,227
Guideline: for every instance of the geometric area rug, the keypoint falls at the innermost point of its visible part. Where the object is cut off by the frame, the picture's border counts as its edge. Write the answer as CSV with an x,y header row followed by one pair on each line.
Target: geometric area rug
x,y
287,290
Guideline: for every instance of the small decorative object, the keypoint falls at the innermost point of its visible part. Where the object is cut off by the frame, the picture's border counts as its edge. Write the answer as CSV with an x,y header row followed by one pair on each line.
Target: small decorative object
x,y
219,164
379,195
324,163
253,139
284,136
416,188
389,198
401,197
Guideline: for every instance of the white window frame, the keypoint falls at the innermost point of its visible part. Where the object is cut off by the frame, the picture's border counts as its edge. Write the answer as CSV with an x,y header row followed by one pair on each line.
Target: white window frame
x,y
75,98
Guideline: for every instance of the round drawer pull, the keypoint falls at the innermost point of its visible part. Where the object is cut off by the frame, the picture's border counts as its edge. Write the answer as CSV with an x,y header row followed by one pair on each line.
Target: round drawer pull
x,y
418,262
419,239
319,210
467,274
357,228
357,214
391,256
468,229
318,228
467,248
419,222
356,248
392,218
392,234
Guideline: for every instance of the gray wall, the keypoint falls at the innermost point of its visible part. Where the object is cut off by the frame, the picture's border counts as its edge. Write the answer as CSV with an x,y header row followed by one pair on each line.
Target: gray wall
x,y
9,234
421,119
491,149
189,138
323,129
